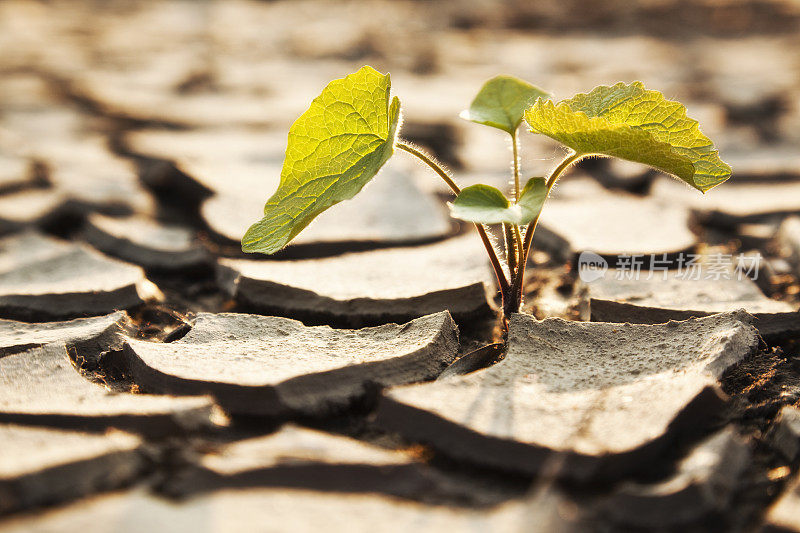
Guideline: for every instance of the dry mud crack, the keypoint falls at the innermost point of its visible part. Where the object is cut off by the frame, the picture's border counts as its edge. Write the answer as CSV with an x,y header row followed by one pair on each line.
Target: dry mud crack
x,y
271,366
41,385
137,142
608,397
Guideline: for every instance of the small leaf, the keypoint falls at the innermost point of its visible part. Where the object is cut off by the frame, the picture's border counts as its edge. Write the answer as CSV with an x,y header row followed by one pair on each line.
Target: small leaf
x,y
484,204
501,102
334,149
480,203
633,123
532,197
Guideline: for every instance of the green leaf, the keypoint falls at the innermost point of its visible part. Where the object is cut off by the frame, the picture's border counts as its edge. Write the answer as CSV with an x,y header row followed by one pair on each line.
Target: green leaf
x,y
633,123
334,149
501,102
484,204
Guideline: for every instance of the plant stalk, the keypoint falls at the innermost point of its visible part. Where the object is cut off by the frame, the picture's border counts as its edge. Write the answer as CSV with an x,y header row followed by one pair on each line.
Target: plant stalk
x,y
512,250
517,237
518,240
513,301
502,281
515,150
431,163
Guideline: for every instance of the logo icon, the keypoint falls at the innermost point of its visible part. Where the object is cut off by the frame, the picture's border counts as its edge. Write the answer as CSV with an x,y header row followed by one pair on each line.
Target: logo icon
x,y
591,267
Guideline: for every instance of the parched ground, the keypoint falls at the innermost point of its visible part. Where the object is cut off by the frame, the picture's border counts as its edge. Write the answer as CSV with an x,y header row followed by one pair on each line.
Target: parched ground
x,y
155,378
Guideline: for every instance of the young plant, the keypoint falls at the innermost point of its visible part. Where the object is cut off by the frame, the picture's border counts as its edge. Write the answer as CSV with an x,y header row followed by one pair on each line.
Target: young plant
x,y
351,130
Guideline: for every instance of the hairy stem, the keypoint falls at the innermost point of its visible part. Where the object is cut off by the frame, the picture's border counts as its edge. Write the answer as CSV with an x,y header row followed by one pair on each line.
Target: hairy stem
x,y
513,239
517,236
518,241
512,250
431,163
515,297
487,243
570,159
515,151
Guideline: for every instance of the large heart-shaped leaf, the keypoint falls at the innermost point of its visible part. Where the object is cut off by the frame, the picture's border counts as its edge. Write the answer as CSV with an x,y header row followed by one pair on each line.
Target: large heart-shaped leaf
x,y
484,204
501,103
334,149
633,123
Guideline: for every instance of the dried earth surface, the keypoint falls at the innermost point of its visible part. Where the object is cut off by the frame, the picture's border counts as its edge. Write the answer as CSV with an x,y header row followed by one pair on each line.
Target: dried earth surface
x,y
155,378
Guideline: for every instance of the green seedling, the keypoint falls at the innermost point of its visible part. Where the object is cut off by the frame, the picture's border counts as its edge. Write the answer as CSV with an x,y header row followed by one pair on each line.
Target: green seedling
x,y
350,130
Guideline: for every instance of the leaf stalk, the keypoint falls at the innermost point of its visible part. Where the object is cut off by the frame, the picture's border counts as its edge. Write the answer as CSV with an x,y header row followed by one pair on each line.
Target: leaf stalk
x,y
502,281
515,150
512,250
513,301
